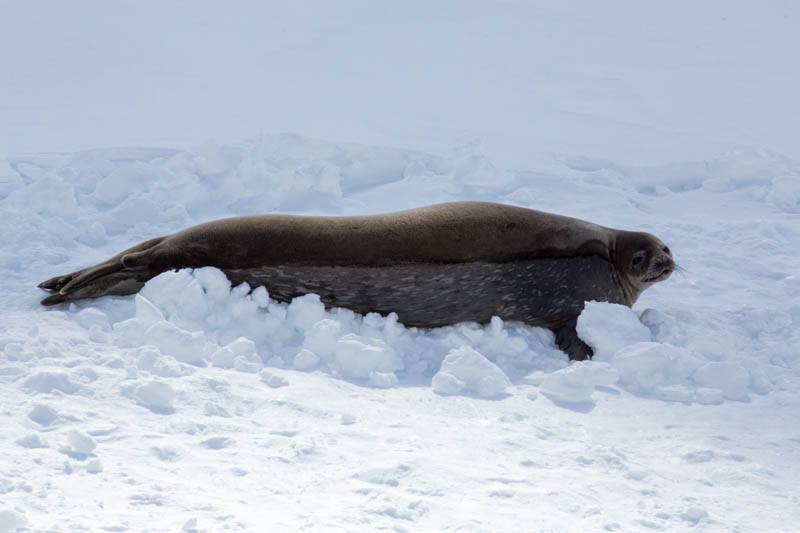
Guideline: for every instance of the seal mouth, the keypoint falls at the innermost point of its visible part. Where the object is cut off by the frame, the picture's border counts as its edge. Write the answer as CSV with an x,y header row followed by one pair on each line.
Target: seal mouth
x,y
667,272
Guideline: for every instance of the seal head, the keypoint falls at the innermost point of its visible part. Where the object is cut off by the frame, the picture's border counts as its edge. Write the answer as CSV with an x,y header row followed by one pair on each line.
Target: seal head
x,y
642,260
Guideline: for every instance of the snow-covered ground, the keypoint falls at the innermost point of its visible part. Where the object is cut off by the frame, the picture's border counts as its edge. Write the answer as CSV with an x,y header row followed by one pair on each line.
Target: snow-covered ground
x,y
196,406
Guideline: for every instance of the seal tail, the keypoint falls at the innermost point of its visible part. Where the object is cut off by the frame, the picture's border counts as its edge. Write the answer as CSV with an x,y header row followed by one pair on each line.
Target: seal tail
x,y
123,274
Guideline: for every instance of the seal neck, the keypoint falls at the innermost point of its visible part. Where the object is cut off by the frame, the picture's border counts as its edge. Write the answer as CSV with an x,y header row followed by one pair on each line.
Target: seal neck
x,y
629,292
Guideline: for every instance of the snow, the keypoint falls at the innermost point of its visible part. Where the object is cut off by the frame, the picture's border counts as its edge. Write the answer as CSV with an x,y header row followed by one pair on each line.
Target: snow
x,y
576,383
155,395
199,406
608,327
465,371
79,443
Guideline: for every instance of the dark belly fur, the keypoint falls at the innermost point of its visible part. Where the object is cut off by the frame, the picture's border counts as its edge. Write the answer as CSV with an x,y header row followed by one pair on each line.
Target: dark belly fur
x,y
542,292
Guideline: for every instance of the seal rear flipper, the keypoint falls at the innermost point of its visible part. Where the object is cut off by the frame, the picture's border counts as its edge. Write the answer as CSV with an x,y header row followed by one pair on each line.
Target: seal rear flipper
x,y
56,283
115,284
116,276
568,341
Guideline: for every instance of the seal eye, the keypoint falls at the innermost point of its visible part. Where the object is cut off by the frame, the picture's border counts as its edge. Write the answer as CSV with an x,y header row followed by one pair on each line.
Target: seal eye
x,y
637,259
666,250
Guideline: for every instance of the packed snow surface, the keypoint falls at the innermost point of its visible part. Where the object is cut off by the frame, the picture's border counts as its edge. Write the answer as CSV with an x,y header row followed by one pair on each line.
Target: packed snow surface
x,y
200,406
196,400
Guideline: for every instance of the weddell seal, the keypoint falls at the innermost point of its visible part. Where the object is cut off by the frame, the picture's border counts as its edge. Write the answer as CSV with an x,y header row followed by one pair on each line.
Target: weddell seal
x,y
433,266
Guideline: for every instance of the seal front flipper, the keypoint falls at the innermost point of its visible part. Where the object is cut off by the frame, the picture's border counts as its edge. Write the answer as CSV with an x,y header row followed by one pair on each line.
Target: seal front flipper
x,y
123,274
568,341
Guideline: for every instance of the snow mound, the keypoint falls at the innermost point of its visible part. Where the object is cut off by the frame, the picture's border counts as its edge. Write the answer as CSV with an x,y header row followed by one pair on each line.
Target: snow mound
x,y
195,317
654,369
100,201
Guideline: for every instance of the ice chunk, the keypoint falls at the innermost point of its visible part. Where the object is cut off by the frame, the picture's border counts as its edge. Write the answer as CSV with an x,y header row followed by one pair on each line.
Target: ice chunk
x,y
43,415
243,365
124,181
322,336
575,383
305,359
11,521
146,312
31,440
305,311
694,514
647,366
80,442
185,346
358,357
155,395
223,357
466,371
92,317
94,466
382,380
732,379
608,327
218,443
272,379
709,396
45,382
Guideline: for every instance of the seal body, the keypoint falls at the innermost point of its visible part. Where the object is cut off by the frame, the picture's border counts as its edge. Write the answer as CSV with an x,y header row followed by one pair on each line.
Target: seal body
x,y
433,266
431,294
